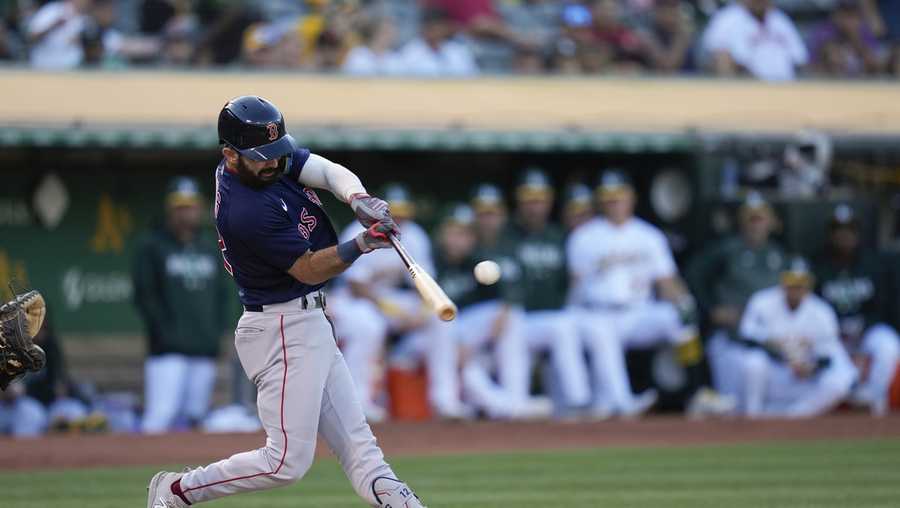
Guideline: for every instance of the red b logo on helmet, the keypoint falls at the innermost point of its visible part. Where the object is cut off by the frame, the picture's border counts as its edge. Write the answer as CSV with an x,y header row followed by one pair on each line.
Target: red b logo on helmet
x,y
273,131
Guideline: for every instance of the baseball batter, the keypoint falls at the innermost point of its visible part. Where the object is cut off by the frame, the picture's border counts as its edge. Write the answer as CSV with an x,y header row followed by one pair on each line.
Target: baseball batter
x,y
616,262
280,247
795,365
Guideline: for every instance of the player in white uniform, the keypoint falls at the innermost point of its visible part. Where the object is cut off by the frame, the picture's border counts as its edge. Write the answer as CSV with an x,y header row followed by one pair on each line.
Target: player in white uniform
x,y
794,365
617,261
377,300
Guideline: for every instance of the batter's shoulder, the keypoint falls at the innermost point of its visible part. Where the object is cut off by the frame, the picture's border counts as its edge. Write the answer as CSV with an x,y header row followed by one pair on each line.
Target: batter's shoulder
x,y
254,213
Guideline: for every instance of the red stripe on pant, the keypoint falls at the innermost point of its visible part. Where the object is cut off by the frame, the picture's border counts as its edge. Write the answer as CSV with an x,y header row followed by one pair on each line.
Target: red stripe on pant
x,y
283,431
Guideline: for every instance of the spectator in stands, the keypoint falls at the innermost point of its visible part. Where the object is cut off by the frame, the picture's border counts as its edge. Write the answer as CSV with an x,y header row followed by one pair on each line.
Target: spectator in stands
x,y
274,45
178,41
105,45
10,48
436,52
852,280
11,45
724,275
574,53
628,50
753,37
374,55
175,26
536,26
669,37
55,34
496,45
844,46
889,11
183,298
223,24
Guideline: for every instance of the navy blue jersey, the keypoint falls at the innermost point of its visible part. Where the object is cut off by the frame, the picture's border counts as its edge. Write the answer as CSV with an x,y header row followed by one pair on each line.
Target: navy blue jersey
x,y
262,232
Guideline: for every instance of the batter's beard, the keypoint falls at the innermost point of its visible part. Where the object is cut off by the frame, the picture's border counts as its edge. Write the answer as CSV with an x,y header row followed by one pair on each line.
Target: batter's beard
x,y
254,181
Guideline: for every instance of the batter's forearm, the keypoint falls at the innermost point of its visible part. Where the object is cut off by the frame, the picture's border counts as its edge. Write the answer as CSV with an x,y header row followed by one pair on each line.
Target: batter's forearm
x,y
319,266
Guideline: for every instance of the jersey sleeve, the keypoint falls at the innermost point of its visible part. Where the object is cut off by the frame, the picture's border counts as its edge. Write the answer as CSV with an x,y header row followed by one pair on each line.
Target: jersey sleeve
x,y
297,161
43,19
663,263
579,264
267,232
826,339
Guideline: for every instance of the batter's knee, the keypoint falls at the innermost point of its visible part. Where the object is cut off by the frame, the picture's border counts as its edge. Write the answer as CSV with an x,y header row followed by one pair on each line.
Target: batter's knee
x,y
293,467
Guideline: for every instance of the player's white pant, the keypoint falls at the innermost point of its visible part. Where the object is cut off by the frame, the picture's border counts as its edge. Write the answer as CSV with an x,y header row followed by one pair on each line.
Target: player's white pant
x,y
507,356
176,386
771,390
556,331
725,357
882,346
608,333
304,388
362,331
436,343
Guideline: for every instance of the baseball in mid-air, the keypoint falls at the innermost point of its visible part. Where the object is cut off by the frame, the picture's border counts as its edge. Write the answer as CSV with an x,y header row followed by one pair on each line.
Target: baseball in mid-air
x,y
487,272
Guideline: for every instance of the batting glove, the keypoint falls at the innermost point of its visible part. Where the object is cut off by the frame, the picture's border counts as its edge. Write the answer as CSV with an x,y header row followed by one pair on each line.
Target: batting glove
x,y
370,210
376,237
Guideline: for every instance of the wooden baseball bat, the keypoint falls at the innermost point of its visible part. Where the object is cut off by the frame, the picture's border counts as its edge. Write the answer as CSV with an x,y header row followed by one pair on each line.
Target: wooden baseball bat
x,y
431,293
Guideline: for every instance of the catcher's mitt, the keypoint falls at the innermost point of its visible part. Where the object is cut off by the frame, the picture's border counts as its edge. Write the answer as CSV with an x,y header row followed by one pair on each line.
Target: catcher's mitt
x,y
20,321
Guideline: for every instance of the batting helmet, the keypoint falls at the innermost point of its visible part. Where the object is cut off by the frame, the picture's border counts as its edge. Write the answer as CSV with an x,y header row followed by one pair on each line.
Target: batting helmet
x,y
255,128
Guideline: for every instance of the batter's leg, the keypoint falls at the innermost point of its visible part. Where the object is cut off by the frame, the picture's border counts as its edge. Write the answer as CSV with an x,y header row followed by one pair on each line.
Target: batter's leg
x,y
289,357
344,427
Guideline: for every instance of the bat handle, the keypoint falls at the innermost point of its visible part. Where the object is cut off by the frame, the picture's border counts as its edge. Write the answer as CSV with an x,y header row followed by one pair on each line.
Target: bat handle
x,y
401,250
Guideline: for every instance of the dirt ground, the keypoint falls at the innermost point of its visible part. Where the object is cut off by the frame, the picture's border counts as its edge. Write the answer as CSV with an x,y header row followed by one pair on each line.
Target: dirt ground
x,y
59,452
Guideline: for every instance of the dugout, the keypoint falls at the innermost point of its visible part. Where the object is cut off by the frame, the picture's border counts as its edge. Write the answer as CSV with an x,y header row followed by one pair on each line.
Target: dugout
x,y
84,174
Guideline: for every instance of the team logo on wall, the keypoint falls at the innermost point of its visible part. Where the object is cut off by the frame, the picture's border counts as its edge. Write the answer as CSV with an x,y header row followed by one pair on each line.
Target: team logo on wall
x,y
272,127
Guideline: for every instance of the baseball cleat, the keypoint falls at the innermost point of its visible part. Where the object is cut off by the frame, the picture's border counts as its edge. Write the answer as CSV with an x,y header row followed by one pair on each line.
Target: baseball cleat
x,y
159,492
708,402
392,493
641,403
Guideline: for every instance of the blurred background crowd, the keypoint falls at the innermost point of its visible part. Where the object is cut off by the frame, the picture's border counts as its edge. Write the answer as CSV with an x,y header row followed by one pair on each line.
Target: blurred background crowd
x,y
765,39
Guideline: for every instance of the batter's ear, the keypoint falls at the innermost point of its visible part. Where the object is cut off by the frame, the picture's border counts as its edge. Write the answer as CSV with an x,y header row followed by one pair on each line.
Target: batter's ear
x,y
230,154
